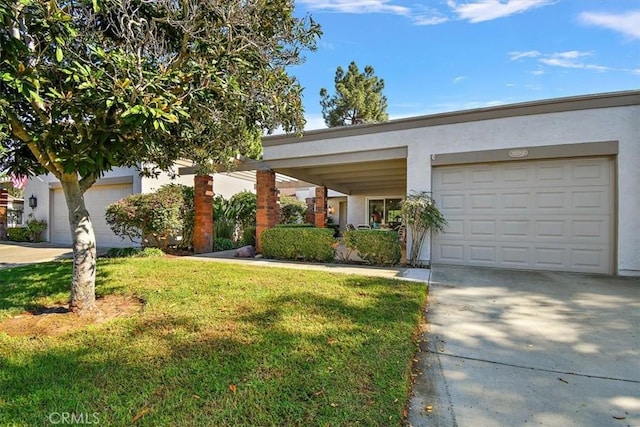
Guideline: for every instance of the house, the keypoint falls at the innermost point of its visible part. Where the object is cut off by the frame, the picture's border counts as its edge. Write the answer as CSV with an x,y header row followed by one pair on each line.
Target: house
x,y
545,185
113,186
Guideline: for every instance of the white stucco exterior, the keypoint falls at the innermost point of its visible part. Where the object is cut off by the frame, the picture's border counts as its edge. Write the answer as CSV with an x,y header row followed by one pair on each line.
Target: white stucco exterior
x,y
43,187
541,124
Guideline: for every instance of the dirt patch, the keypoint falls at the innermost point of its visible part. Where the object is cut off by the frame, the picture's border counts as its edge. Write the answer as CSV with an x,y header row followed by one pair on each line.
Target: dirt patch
x,y
58,320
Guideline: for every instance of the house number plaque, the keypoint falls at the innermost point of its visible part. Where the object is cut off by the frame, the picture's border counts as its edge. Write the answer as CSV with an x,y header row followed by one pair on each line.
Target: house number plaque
x,y
516,154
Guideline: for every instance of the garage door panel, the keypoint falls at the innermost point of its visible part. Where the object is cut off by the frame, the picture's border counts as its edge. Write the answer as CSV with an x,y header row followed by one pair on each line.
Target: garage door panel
x,y
96,200
559,223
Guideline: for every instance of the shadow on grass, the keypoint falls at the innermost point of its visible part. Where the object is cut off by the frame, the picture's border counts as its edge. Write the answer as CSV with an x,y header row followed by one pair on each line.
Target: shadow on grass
x,y
22,287
250,367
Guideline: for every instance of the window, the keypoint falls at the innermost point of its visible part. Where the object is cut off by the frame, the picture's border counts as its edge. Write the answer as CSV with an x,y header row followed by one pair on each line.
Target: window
x,y
384,213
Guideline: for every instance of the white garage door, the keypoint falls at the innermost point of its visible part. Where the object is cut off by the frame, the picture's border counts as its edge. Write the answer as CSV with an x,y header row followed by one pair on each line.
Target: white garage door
x,y
96,199
542,215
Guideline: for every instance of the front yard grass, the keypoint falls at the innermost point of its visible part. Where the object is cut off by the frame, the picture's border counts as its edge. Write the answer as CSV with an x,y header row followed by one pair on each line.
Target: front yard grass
x,y
215,344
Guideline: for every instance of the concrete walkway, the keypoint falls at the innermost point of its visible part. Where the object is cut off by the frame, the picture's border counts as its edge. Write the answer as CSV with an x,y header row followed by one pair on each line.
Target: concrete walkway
x,y
14,254
509,348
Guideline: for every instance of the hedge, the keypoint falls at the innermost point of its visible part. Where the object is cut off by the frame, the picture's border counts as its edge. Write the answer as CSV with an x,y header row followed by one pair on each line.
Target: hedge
x,y
18,234
308,244
377,247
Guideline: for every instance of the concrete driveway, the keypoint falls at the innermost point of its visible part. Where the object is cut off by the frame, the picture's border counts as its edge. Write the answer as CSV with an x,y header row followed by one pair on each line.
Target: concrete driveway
x,y
529,348
14,254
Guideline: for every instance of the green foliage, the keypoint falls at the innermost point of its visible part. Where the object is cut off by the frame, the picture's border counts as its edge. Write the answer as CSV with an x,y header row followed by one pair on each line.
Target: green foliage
x,y
230,217
245,204
309,244
420,213
222,244
157,218
188,217
134,253
31,232
17,234
377,247
292,210
87,86
248,237
358,98
303,225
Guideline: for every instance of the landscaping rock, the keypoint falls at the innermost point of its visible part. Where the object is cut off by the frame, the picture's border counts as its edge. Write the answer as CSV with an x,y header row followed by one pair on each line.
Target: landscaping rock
x,y
245,252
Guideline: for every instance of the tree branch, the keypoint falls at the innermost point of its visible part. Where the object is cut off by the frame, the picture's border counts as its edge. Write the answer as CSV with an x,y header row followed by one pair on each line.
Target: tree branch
x,y
18,131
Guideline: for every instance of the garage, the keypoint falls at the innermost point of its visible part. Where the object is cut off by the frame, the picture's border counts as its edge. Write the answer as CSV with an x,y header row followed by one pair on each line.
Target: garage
x,y
535,215
96,199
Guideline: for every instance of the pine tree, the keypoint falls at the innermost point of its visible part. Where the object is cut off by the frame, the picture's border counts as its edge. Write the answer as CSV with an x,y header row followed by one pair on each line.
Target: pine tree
x,y
358,98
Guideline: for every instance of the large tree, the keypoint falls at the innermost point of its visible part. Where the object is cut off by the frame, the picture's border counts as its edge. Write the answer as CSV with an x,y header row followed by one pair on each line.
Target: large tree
x,y
87,85
358,98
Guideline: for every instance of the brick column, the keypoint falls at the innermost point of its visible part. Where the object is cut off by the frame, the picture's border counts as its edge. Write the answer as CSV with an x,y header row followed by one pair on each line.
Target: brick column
x,y
268,209
310,215
203,207
321,207
4,201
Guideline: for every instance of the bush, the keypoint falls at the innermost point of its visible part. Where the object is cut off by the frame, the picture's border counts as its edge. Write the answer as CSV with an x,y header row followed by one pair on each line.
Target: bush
x,y
295,225
420,213
32,232
222,244
377,247
17,234
157,218
310,244
248,236
188,216
223,228
134,253
292,210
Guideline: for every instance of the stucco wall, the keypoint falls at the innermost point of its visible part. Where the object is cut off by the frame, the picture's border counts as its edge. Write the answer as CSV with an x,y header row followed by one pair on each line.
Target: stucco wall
x,y
621,124
39,186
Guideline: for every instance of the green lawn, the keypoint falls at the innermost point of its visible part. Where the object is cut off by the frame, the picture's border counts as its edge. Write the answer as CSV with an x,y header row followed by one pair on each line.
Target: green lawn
x,y
215,345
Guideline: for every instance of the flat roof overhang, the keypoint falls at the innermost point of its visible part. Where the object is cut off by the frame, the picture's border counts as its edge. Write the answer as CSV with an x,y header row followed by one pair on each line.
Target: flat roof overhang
x,y
368,172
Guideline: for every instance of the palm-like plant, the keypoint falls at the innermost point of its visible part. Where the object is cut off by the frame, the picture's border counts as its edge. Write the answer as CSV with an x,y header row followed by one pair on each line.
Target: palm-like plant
x,y
420,214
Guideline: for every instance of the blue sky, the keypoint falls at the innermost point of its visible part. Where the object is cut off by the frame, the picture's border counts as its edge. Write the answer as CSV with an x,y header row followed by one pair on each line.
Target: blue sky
x,y
448,55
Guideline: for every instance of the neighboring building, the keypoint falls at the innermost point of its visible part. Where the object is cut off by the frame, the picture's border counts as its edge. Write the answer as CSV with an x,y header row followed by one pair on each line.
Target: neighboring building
x,y
113,186
545,185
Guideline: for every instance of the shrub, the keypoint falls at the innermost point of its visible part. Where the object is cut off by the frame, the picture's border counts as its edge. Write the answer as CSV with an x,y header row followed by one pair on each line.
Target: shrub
x,y
377,247
32,231
420,213
157,218
223,228
17,234
295,225
134,253
292,210
310,244
248,236
244,205
222,244
188,216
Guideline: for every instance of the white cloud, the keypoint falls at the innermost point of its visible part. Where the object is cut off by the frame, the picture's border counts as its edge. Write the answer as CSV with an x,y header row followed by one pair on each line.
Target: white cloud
x,y
429,20
627,23
569,59
471,10
514,56
356,6
487,10
459,79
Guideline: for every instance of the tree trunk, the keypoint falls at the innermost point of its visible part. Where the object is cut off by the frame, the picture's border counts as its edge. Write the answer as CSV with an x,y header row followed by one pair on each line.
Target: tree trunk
x,y
83,283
